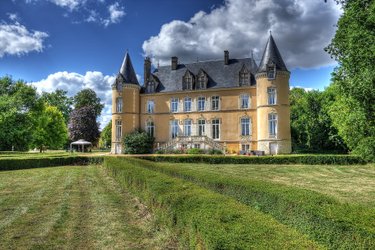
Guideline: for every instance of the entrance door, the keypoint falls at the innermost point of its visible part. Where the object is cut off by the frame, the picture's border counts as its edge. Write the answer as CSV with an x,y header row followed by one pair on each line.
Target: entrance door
x,y
273,148
118,149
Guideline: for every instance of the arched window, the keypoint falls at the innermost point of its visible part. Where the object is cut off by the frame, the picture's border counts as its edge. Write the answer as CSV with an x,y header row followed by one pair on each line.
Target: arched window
x,y
201,127
188,81
150,128
118,104
118,133
245,126
174,128
201,80
271,96
244,77
187,104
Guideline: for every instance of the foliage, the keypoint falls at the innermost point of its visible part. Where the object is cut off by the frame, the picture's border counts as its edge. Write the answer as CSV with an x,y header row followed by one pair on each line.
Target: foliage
x,y
106,136
203,219
60,100
49,129
138,142
283,159
311,125
17,101
215,152
83,125
322,218
17,163
195,151
353,46
88,98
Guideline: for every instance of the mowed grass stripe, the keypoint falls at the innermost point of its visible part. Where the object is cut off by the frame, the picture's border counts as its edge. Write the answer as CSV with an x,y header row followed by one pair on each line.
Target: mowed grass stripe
x,y
79,208
323,218
202,218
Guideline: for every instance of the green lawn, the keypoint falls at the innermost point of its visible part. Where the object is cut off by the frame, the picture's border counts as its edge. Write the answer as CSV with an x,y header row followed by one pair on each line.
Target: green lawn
x,y
73,208
353,184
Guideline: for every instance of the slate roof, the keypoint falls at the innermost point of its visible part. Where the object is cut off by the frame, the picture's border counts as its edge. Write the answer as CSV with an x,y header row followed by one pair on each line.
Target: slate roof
x,y
271,54
219,74
127,71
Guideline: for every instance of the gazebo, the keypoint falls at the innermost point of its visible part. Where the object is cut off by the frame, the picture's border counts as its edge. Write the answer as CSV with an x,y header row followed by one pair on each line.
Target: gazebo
x,y
81,143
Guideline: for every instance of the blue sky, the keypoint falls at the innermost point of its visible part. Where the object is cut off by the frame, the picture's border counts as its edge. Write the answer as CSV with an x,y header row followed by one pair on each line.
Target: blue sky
x,y
72,44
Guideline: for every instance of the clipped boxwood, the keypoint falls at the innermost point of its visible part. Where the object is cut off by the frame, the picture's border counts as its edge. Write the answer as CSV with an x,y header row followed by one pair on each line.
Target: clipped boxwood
x,y
203,219
332,223
25,163
282,159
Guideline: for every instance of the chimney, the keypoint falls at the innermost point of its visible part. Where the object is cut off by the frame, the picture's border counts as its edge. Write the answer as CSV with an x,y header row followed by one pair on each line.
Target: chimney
x,y
174,60
147,70
226,57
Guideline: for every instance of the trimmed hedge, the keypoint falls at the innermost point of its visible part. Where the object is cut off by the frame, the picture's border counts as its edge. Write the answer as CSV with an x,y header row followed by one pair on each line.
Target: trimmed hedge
x,y
282,159
203,219
25,163
332,223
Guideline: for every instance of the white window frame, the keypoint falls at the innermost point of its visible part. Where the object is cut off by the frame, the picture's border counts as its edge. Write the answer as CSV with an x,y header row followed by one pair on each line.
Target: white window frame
x,y
150,108
174,127
215,99
272,96
244,97
201,127
119,105
174,105
245,147
201,101
150,128
187,104
272,124
215,123
245,123
118,129
188,123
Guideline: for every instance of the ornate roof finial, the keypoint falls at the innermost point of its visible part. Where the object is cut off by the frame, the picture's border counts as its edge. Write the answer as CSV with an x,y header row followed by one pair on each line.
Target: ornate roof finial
x,y
270,32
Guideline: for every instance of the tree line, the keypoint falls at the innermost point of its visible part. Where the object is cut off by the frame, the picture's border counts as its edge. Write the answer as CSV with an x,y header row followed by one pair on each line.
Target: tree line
x,y
29,120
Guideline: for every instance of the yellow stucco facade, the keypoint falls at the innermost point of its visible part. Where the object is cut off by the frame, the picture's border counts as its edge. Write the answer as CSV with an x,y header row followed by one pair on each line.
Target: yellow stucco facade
x,y
232,105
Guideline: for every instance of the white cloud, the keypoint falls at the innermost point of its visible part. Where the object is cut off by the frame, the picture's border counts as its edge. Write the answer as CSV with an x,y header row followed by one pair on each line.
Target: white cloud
x,y
301,29
69,4
16,39
13,17
74,82
116,12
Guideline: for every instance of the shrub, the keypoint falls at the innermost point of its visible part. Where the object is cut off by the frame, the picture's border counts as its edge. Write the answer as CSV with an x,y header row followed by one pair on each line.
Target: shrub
x,y
25,163
322,218
138,142
203,219
195,151
215,152
283,159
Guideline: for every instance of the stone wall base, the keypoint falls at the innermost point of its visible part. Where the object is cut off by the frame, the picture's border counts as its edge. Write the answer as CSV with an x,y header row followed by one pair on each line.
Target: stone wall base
x,y
277,147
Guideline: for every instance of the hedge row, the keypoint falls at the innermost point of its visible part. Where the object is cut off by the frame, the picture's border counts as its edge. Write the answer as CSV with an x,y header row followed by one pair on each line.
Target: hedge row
x,y
25,163
203,219
283,159
324,219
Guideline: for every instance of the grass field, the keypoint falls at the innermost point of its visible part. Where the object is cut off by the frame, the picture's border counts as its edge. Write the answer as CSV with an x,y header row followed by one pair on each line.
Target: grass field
x,y
352,184
73,208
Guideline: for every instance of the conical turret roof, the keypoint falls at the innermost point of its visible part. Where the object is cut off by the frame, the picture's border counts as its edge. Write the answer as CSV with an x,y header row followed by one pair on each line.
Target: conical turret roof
x,y
271,55
127,71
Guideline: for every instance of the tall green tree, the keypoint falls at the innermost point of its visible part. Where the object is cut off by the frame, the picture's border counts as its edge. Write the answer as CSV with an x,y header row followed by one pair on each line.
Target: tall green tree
x,y
60,100
353,46
88,97
106,136
17,100
49,130
311,125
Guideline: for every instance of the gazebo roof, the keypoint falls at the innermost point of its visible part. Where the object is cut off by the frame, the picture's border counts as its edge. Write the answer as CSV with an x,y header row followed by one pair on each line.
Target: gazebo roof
x,y
81,142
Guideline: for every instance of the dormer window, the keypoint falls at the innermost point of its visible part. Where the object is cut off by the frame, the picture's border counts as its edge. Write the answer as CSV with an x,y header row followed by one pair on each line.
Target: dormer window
x,y
271,70
188,81
244,77
201,80
150,87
